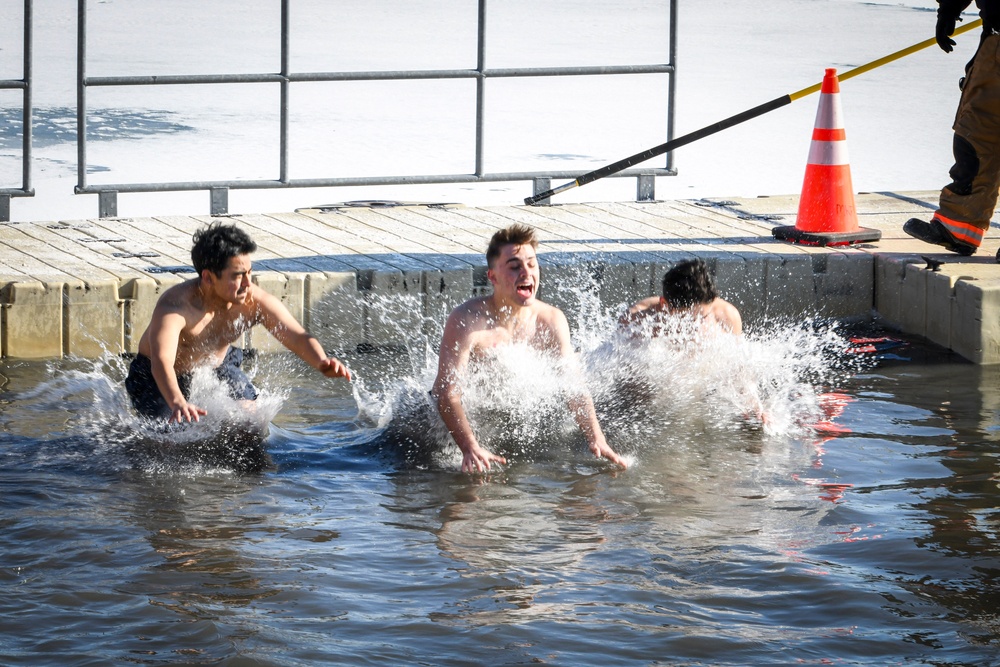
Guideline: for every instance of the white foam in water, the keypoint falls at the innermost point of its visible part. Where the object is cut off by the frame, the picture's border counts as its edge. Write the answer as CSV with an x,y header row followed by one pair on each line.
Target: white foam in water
x,y
230,437
674,389
684,380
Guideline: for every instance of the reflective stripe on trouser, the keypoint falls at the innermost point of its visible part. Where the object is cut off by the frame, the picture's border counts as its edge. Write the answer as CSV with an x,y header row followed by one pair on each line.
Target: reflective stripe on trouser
x,y
977,122
962,231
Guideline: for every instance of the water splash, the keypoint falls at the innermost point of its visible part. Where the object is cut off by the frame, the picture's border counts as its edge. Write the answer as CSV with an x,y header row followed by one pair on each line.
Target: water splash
x,y
673,392
100,425
675,387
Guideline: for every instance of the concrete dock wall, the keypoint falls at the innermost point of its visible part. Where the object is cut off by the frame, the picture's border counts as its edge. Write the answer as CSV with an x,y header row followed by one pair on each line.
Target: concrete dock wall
x,y
365,276
379,308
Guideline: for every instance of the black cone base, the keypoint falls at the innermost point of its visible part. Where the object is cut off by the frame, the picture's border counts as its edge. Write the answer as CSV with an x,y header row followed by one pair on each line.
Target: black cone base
x,y
793,234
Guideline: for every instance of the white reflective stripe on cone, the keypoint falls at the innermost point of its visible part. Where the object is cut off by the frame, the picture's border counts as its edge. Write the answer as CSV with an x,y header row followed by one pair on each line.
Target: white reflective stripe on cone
x,y
828,152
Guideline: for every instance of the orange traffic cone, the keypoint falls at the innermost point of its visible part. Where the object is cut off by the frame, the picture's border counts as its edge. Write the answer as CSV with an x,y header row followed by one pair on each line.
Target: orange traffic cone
x,y
826,208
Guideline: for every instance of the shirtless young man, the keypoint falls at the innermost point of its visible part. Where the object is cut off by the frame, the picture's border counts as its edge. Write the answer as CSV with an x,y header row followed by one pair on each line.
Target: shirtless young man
x,y
195,323
688,290
511,314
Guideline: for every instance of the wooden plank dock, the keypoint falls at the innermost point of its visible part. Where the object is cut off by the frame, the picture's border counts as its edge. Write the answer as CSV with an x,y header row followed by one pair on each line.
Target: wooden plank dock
x,y
379,275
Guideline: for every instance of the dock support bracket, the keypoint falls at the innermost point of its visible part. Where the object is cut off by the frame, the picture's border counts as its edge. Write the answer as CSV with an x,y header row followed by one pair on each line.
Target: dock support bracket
x,y
220,201
107,204
539,185
645,187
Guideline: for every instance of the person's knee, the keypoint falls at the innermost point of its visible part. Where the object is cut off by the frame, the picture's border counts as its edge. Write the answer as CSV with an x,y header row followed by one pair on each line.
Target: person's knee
x,y
966,166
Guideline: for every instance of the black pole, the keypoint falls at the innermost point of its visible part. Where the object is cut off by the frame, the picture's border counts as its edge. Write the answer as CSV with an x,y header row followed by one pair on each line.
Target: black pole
x,y
615,167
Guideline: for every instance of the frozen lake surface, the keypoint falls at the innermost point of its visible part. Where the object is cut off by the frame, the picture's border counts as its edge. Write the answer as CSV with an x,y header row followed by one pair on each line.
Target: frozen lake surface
x,y
733,55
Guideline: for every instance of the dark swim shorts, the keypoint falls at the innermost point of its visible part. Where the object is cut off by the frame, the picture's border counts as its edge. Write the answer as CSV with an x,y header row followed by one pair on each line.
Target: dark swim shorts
x,y
146,397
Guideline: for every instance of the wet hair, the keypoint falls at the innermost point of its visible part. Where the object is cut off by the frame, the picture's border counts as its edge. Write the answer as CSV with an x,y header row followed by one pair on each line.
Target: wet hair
x,y
516,234
689,283
215,244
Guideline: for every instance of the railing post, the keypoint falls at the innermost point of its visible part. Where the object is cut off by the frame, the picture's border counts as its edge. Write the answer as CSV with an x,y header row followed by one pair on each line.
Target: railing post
x,y
27,101
220,201
645,187
107,204
81,102
480,88
4,208
284,93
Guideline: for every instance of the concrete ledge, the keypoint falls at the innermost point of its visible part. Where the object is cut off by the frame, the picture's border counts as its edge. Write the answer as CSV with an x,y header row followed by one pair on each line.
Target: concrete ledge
x,y
334,312
789,288
139,297
33,320
444,291
394,303
943,306
93,316
975,321
844,284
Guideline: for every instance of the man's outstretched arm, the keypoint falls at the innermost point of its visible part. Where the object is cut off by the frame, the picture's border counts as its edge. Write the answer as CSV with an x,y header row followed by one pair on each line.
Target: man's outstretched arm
x,y
287,330
580,403
452,360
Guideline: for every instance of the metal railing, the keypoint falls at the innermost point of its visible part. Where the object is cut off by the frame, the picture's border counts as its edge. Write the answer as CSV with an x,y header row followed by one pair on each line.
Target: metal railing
x,y
24,85
219,189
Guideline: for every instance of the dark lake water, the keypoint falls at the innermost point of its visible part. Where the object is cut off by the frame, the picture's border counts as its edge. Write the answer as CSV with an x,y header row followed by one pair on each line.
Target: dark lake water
x,y
872,539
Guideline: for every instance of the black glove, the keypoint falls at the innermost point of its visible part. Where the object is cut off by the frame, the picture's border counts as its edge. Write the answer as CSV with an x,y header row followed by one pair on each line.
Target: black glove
x,y
943,32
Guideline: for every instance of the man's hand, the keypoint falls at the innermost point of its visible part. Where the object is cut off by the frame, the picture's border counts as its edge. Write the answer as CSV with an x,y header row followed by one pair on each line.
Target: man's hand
x,y
185,411
602,450
334,368
944,30
478,459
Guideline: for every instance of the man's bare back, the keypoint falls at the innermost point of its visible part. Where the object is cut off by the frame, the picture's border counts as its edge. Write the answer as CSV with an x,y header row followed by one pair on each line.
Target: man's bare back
x,y
689,292
717,316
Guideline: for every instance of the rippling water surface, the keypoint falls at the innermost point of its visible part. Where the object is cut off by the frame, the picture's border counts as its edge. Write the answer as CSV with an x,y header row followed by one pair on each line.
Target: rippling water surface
x,y
781,507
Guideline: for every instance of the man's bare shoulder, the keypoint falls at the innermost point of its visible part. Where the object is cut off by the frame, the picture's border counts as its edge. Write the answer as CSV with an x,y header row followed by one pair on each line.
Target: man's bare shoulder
x,y
727,315
547,313
473,311
641,311
179,298
644,305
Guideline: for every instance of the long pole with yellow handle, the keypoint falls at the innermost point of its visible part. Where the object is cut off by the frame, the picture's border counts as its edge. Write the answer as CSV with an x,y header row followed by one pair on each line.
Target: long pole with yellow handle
x,y
744,116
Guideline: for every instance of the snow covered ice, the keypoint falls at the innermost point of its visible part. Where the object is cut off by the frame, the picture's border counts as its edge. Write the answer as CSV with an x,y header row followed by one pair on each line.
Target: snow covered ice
x,y
732,55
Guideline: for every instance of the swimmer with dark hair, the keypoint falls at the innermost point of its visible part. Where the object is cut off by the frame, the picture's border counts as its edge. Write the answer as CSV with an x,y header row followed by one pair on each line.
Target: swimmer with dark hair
x,y
688,291
511,314
195,323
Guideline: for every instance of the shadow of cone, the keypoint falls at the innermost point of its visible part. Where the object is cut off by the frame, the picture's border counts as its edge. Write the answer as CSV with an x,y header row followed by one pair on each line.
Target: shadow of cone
x,y
827,215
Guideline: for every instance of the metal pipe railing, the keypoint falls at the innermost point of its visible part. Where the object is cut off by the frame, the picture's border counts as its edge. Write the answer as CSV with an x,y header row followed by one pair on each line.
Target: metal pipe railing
x,y
284,78
23,84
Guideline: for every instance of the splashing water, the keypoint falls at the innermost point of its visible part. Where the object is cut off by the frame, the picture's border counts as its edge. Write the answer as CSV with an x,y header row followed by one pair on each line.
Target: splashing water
x,y
677,388
231,437
682,380
666,392
515,398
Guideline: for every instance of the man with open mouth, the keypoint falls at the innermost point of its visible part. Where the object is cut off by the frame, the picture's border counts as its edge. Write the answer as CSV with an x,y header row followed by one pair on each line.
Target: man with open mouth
x,y
511,314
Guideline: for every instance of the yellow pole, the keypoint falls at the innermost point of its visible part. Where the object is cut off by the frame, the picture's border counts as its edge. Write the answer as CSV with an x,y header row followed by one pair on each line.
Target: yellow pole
x,y
902,53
